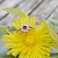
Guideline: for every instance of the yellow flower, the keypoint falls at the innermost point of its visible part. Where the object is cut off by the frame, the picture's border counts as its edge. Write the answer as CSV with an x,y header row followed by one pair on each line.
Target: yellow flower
x,y
25,23
35,43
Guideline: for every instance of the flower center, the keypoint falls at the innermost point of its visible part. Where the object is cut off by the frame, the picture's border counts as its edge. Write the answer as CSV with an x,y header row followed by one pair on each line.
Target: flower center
x,y
24,28
29,40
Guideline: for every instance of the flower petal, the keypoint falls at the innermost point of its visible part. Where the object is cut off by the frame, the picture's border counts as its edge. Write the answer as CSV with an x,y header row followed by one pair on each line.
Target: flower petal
x,y
32,21
16,23
24,20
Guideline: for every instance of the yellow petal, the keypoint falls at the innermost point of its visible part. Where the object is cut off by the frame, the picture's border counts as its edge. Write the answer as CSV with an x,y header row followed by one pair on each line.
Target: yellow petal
x,y
37,52
7,38
16,23
9,52
29,53
32,21
13,45
24,53
40,55
42,28
24,20
45,50
21,56
55,44
16,51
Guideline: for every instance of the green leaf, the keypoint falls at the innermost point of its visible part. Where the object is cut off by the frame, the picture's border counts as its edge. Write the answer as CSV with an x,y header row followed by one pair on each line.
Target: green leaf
x,y
53,21
52,29
14,11
36,26
52,32
53,26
